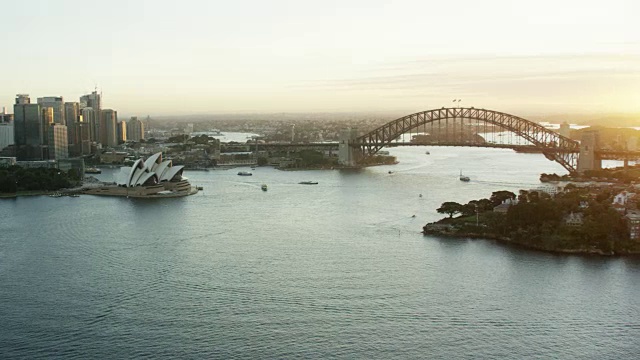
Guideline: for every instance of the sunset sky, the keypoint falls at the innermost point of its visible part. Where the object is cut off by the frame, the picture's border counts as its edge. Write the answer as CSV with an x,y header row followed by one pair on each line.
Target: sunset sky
x,y
196,57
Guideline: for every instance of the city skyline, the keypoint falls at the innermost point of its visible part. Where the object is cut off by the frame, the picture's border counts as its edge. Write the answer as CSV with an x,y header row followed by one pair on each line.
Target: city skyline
x,y
211,57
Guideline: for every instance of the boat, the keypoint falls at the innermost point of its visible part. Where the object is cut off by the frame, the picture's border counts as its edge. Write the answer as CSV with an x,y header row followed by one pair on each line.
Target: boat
x,y
56,194
74,195
244,173
199,188
92,170
427,153
264,187
464,177
308,183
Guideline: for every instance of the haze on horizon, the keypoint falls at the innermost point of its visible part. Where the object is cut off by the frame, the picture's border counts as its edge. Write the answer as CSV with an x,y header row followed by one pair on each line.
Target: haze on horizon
x,y
165,57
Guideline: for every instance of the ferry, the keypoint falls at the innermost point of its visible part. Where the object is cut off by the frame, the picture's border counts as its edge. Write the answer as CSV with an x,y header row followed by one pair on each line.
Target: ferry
x,y
244,173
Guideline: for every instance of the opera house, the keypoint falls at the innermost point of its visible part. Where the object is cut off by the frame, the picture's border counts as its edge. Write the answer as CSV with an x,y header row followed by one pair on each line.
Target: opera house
x,y
151,178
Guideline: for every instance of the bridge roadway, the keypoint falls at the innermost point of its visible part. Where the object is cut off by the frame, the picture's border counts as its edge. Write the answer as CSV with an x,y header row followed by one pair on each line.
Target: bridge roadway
x,y
602,154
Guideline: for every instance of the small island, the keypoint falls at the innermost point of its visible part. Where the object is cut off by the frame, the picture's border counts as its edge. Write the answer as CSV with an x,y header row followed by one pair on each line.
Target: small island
x,y
599,220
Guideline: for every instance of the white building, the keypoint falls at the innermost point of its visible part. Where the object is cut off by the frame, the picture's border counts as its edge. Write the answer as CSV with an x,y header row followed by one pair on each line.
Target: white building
x,y
622,198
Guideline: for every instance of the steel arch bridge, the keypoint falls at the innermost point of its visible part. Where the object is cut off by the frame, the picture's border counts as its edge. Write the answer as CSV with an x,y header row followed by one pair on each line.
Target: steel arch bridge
x,y
454,121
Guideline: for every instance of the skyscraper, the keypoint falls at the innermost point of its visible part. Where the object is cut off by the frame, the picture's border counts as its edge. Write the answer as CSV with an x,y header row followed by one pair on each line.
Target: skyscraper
x,y
122,131
28,130
89,118
135,129
57,104
108,127
94,102
57,142
72,114
83,138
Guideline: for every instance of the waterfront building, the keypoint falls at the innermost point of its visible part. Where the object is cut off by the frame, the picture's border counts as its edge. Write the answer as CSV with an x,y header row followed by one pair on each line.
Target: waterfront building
x,y
28,130
6,135
633,222
57,142
152,177
135,129
56,103
108,127
7,161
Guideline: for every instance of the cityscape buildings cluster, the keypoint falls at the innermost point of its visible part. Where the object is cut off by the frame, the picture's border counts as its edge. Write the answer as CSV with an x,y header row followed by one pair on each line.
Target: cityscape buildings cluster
x,y
52,129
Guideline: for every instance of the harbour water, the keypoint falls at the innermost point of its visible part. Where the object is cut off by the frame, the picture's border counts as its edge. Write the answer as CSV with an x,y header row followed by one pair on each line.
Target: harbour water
x,y
337,269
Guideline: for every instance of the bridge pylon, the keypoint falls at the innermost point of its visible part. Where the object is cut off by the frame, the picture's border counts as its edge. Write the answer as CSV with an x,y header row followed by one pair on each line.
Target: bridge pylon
x,y
588,159
346,153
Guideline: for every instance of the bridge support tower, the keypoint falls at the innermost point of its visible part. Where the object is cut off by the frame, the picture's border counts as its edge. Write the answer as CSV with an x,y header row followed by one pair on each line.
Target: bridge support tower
x,y
588,159
346,153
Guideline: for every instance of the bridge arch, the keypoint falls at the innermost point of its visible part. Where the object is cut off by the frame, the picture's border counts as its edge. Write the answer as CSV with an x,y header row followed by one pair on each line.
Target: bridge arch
x,y
554,146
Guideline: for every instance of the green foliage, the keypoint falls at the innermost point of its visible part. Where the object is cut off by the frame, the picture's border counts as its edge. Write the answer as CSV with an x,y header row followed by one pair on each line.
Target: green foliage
x,y
202,139
16,178
537,220
450,208
497,197
178,138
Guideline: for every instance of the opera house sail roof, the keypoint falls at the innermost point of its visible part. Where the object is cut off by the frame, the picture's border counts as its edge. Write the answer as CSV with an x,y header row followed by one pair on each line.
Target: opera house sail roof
x,y
148,178
150,172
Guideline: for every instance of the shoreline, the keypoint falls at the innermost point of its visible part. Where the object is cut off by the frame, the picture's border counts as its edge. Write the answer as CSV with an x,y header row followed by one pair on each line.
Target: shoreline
x,y
503,240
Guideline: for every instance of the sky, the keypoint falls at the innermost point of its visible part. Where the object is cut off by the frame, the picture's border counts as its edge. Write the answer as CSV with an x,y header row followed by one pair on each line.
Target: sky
x,y
183,57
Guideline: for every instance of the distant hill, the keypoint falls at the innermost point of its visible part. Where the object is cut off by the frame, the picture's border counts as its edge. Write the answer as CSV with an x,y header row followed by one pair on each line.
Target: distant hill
x,y
612,120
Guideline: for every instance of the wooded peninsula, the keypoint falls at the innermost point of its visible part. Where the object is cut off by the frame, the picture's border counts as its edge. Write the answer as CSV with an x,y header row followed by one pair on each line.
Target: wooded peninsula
x,y
586,220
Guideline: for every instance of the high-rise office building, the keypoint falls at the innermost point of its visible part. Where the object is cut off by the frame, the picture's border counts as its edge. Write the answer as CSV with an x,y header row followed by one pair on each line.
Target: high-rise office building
x,y
93,101
72,116
122,131
135,129
57,104
57,143
6,135
83,139
108,128
28,130
89,117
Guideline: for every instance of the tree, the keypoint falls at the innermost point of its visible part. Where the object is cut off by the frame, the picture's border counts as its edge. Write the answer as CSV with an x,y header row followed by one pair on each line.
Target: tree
x,y
450,208
497,197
